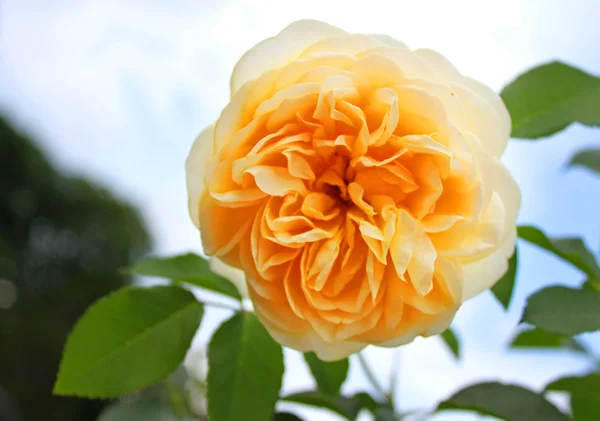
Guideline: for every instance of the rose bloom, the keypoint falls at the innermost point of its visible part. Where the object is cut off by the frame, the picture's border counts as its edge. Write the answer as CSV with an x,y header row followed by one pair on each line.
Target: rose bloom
x,y
356,184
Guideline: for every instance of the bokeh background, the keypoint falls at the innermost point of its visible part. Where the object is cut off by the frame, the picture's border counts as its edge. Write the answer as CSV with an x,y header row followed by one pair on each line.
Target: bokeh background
x,y
101,100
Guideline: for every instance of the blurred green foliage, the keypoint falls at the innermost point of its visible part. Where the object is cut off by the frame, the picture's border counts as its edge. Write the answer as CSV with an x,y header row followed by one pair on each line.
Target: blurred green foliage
x,y
62,239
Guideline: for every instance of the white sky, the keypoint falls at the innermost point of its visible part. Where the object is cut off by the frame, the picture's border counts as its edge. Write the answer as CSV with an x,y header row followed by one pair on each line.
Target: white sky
x,y
117,90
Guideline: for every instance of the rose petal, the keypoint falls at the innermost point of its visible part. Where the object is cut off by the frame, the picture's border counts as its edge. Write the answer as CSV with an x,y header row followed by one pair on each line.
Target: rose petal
x,y
276,181
421,266
483,274
195,169
235,275
275,52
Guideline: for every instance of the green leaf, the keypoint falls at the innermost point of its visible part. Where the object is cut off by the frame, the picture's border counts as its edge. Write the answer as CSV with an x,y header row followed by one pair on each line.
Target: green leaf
x,y
584,385
538,338
451,341
188,268
503,290
564,311
366,401
385,414
572,250
369,403
346,407
179,388
245,367
585,395
285,416
588,158
585,408
329,375
547,98
591,285
128,341
139,410
509,402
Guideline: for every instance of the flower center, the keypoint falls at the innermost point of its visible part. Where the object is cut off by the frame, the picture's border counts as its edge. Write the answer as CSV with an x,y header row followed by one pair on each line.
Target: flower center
x,y
335,179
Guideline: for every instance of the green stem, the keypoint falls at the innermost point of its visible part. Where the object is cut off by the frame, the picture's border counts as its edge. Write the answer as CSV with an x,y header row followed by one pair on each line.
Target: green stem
x,y
594,284
395,368
373,380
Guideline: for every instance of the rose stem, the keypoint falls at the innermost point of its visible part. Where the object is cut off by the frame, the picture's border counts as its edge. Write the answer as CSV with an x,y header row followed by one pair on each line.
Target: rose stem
x,y
373,380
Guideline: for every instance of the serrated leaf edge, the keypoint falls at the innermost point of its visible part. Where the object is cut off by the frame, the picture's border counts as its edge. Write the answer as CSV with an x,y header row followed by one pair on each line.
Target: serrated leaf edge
x,y
60,391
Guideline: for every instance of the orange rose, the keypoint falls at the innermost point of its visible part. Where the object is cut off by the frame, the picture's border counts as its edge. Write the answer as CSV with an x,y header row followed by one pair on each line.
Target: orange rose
x,y
356,184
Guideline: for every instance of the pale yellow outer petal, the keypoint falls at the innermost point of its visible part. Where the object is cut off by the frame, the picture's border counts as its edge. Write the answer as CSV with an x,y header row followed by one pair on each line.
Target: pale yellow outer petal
x,y
443,69
236,276
502,115
311,341
480,103
483,274
487,116
333,352
276,52
386,39
195,168
431,329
